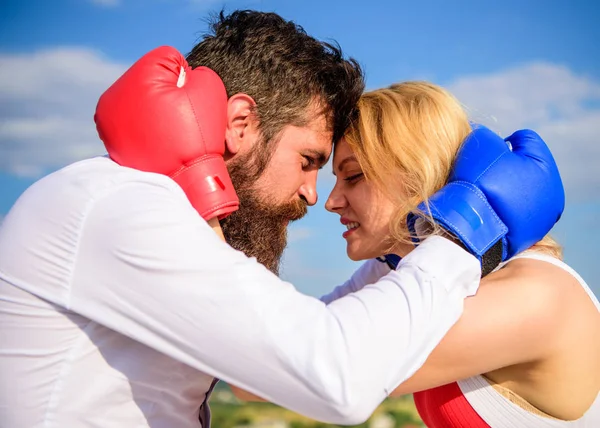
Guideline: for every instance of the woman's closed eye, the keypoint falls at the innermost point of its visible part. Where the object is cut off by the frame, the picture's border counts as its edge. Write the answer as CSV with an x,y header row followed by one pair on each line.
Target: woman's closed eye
x,y
354,178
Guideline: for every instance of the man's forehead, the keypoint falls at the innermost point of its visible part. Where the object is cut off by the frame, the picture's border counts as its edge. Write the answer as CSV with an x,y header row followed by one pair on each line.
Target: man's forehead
x,y
312,136
325,145
320,138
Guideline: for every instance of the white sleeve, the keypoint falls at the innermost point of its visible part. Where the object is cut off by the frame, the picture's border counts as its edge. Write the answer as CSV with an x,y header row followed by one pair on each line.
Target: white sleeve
x,y
368,273
150,268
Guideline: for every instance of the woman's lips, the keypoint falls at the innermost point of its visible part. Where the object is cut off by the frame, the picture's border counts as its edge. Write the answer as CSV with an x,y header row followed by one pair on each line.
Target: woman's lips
x,y
352,226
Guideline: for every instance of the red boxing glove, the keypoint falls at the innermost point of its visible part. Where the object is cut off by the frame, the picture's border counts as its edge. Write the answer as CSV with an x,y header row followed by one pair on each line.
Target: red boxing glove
x,y
161,116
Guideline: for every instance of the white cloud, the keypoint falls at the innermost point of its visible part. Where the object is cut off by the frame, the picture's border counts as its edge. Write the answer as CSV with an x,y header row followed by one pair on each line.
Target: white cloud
x,y
106,3
47,104
561,105
299,233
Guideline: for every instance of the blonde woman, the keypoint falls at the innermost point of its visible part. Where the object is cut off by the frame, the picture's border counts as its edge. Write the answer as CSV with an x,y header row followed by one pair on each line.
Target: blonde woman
x,y
525,352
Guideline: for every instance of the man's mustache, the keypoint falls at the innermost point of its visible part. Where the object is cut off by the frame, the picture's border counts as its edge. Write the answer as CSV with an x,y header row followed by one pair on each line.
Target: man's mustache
x,y
295,210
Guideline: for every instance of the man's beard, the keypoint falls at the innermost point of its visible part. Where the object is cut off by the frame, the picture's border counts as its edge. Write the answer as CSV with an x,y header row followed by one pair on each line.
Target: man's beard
x,y
259,227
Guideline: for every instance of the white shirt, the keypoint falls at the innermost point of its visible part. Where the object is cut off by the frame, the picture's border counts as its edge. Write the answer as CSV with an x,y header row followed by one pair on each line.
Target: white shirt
x,y
119,305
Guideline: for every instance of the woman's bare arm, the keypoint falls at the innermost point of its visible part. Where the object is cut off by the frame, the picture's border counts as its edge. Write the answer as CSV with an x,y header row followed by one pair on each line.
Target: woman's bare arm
x,y
517,316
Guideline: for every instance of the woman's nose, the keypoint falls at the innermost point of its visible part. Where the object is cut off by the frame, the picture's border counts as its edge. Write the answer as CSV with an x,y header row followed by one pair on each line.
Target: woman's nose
x,y
336,201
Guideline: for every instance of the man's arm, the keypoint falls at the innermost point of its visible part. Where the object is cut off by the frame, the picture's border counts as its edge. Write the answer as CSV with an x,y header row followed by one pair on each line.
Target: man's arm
x,y
488,336
369,272
150,268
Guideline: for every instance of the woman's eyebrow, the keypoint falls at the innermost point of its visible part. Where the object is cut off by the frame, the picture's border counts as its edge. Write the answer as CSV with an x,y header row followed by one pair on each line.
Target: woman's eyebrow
x,y
344,162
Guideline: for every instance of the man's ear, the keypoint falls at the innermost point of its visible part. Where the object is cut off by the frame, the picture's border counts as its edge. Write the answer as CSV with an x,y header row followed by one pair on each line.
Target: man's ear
x,y
242,128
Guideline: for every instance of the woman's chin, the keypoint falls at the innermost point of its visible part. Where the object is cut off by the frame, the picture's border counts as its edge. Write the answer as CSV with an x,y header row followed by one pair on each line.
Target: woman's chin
x,y
357,254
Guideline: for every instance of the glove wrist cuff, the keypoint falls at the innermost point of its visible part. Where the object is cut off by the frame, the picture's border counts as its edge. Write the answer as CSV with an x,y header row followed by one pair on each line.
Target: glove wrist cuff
x,y
463,210
207,185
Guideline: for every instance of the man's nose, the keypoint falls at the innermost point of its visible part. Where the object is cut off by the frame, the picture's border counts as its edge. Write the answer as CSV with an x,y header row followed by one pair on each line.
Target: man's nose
x,y
308,190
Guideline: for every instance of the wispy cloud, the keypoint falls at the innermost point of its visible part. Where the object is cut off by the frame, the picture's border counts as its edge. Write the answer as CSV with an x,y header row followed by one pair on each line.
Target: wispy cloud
x,y
47,103
299,233
561,105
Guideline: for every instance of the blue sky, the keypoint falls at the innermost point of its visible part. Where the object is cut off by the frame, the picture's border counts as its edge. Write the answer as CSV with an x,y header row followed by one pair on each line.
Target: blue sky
x,y
512,63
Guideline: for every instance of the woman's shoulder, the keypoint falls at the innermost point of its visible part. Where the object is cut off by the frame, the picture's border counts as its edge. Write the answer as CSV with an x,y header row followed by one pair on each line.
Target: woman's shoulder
x,y
566,314
548,277
532,276
547,291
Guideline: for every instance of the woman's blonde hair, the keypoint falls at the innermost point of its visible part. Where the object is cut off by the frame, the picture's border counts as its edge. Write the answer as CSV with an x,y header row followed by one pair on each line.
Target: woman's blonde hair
x,y
406,138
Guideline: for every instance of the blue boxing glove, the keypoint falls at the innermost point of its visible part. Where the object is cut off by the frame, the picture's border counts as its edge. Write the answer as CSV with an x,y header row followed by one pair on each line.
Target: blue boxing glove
x,y
499,201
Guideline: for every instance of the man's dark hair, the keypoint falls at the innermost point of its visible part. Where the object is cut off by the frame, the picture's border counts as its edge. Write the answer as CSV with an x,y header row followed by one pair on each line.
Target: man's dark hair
x,y
282,68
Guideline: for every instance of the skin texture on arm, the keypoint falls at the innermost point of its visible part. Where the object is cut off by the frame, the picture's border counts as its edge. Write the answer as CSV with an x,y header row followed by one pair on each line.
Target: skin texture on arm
x,y
519,330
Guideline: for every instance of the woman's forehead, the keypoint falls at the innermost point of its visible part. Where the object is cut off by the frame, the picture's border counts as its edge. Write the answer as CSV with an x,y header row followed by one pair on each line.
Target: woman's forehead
x,y
342,156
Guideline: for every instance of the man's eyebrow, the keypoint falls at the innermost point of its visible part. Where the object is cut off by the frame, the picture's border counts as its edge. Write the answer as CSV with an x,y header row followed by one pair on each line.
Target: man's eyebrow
x,y
344,162
318,155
